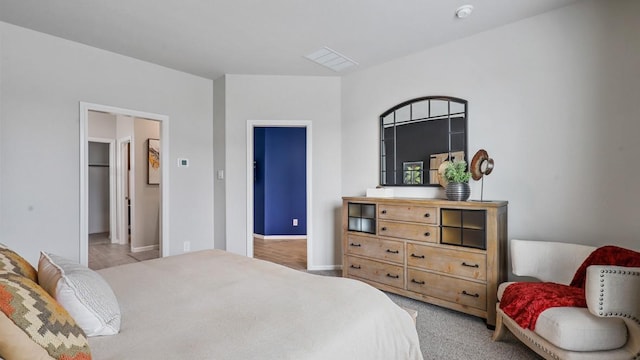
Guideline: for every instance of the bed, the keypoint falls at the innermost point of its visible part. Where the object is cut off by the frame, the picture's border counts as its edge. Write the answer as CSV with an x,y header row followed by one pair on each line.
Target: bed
x,y
216,305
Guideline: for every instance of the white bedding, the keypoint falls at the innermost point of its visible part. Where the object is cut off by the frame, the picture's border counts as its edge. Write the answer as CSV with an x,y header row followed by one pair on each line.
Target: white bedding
x,y
215,305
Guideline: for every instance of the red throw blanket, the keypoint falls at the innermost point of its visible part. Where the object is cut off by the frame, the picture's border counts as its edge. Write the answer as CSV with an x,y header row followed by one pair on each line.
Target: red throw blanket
x,y
524,302
606,255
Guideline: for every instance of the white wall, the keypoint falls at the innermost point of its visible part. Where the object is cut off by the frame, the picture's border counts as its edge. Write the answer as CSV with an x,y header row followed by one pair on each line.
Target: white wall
x,y
219,154
553,99
316,99
124,126
44,79
102,125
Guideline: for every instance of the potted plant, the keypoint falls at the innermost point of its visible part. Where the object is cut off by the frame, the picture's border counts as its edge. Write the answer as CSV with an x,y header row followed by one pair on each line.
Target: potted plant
x,y
457,177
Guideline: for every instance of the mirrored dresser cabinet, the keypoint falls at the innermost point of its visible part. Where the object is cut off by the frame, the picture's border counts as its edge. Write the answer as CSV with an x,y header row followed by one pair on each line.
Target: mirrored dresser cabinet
x,y
448,253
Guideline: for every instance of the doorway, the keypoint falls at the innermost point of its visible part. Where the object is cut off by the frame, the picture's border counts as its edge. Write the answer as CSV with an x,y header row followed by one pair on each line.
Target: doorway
x,y
124,230
101,177
277,244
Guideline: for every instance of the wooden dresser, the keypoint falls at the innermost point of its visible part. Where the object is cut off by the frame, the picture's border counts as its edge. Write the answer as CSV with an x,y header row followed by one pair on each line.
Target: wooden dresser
x,y
448,253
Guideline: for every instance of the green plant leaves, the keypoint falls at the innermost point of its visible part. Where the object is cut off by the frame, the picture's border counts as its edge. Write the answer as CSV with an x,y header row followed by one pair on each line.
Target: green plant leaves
x,y
456,171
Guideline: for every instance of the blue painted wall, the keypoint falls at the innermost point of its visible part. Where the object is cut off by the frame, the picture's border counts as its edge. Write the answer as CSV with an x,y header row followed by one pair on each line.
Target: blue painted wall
x,y
280,180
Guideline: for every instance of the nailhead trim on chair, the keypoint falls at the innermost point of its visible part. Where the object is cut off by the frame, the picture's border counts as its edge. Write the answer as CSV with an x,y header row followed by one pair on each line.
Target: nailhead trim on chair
x,y
602,295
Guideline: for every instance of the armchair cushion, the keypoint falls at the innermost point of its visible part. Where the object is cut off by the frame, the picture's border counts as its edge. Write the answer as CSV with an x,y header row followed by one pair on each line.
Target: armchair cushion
x,y
575,329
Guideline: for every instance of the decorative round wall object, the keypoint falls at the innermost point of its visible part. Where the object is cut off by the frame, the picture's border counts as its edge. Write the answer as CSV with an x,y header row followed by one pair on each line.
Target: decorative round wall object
x,y
481,165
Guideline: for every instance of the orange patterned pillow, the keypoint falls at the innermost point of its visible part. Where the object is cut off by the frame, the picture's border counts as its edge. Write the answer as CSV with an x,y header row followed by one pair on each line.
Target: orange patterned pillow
x,y
14,263
32,311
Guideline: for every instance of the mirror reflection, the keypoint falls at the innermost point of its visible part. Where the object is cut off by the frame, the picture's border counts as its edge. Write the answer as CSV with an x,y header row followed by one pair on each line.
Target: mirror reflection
x,y
417,136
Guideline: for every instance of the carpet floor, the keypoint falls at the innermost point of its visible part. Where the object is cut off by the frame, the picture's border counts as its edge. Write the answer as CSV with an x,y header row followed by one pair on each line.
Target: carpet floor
x,y
450,335
447,335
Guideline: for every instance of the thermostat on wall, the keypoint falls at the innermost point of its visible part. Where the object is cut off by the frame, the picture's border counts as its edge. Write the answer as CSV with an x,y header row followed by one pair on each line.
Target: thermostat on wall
x,y
183,162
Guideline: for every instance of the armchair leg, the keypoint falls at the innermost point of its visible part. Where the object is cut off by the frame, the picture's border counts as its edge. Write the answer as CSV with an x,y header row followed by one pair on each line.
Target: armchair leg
x,y
500,331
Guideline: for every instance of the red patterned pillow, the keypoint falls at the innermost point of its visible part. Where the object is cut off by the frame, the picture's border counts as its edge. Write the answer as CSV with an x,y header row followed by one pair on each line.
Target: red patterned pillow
x,y
33,311
14,263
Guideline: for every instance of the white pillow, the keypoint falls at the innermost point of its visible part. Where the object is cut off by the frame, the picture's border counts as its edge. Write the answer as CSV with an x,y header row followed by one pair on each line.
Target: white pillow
x,y
82,292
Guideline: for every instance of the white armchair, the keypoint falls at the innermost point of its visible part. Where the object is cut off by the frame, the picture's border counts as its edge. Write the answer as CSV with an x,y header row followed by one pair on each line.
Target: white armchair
x,y
608,329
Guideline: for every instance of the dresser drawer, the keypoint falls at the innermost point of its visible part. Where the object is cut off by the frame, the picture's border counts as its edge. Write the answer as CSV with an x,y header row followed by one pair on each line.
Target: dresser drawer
x,y
448,261
417,232
392,275
376,248
459,291
411,213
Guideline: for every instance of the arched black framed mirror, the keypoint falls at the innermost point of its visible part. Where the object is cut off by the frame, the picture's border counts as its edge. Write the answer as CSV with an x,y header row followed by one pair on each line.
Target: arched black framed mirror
x,y
416,136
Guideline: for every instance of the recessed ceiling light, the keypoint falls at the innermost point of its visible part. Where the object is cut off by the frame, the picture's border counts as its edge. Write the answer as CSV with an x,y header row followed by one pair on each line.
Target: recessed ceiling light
x,y
331,59
464,11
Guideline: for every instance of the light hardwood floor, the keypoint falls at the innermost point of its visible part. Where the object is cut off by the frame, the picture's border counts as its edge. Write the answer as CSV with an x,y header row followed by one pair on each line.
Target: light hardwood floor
x,y
104,254
290,253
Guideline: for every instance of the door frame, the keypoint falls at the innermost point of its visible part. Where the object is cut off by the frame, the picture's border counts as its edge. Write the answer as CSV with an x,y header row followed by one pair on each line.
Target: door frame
x,y
121,174
251,124
112,186
85,107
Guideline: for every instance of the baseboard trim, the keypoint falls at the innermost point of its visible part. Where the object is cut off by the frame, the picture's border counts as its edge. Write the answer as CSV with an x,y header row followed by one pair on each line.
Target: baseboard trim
x,y
324,267
280,237
145,248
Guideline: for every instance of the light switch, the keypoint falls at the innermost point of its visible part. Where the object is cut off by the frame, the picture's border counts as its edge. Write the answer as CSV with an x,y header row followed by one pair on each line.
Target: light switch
x,y
220,174
183,162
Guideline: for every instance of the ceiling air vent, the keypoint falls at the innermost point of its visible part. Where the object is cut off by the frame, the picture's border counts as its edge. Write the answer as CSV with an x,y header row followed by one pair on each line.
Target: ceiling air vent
x,y
331,59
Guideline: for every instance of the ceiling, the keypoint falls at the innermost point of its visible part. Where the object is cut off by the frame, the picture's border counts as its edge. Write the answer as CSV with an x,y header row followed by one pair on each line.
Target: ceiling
x,y
210,38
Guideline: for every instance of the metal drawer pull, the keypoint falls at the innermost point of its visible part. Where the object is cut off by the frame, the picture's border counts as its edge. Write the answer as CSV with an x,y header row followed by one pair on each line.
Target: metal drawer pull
x,y
417,256
393,251
384,228
383,211
427,234
356,245
427,215
393,276
355,266
464,292
473,266
417,282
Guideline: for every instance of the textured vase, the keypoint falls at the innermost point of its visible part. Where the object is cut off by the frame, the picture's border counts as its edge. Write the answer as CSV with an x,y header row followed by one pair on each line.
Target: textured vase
x,y
458,191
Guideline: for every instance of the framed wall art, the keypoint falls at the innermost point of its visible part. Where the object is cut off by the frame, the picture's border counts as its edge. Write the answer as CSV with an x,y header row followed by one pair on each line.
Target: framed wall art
x,y
153,175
